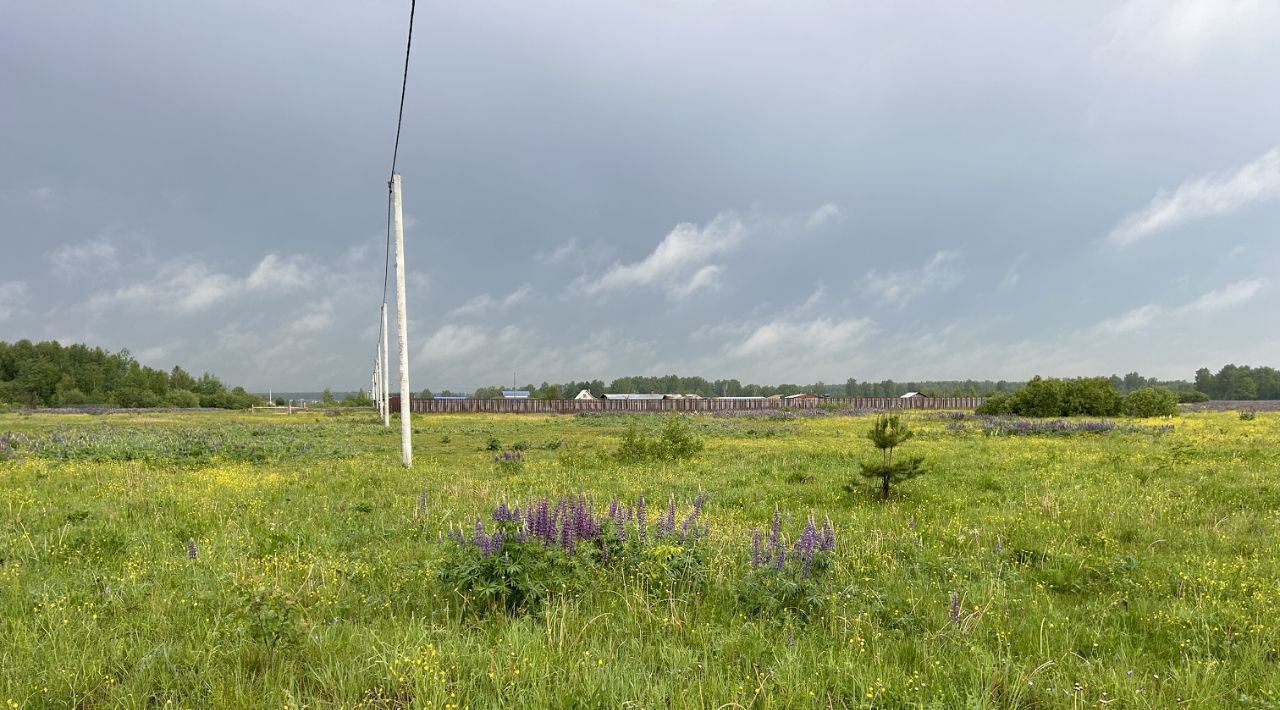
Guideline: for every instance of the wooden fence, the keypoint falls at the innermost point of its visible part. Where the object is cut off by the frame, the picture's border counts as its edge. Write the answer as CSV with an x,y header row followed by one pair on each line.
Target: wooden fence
x,y
573,406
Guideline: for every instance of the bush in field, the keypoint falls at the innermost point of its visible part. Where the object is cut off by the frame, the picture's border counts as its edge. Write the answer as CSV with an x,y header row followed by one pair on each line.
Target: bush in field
x,y
1151,402
563,546
185,399
1192,397
887,434
782,581
674,443
1087,396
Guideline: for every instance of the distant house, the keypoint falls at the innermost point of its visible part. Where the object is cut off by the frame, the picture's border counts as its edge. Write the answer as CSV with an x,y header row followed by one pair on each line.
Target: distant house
x,y
634,396
515,394
742,399
681,396
801,395
912,395
451,397
585,394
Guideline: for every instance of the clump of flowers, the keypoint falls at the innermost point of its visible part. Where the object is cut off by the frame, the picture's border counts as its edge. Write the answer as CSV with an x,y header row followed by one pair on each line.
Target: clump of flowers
x,y
509,461
557,544
787,579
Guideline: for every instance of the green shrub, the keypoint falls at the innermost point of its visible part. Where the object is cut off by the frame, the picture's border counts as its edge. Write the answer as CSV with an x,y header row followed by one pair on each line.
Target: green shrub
x,y
1086,396
888,433
676,442
1192,397
182,398
1151,402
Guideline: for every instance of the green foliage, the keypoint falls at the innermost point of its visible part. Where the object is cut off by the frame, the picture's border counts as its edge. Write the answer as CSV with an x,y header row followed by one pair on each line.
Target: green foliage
x,y
887,433
1248,415
518,579
326,397
766,592
1192,397
1151,402
267,614
676,442
1086,396
1160,550
1239,382
49,374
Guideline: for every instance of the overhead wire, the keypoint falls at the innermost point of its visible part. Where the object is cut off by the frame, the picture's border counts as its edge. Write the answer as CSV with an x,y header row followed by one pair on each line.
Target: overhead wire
x,y
395,154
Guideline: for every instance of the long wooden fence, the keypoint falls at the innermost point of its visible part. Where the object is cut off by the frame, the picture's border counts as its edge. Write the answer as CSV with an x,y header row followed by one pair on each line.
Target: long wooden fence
x,y
573,406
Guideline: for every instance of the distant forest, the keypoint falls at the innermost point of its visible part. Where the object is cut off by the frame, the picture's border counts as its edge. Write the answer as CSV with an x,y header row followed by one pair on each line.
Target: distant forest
x,y
1234,384
48,374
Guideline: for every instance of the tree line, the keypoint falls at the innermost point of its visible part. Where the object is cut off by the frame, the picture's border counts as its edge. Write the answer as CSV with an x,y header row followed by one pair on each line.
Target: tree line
x,y
1239,382
676,384
48,374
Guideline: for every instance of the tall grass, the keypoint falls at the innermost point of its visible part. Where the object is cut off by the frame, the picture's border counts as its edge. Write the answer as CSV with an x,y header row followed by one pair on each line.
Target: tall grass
x,y
1140,568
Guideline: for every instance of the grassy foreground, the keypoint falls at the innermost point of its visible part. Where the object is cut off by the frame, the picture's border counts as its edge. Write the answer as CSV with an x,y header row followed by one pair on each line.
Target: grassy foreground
x,y
1140,568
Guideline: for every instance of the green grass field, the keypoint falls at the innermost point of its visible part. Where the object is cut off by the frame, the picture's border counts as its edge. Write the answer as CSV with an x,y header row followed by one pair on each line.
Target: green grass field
x,y
1132,568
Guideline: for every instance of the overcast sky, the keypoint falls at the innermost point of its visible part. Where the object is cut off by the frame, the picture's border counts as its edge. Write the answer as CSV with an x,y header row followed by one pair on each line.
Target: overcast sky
x,y
773,191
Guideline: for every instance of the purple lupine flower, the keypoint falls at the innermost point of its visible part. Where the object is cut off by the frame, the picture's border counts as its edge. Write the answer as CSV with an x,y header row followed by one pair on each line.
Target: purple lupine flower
x,y
567,543
755,548
999,546
670,522
604,551
828,541
697,503
775,535
641,520
614,508
805,546
687,528
192,553
422,503
781,553
955,608
501,512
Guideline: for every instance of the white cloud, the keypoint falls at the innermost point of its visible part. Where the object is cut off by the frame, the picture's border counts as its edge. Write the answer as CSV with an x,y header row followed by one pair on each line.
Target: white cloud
x,y
474,306
312,318
278,273
517,296
559,254
453,342
190,286
901,287
1129,321
824,214
705,279
803,339
1206,196
484,302
12,295
1233,294
686,248
95,255
1185,31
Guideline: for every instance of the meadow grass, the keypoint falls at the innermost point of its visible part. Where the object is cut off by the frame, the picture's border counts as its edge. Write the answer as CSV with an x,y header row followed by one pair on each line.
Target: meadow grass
x,y
1139,567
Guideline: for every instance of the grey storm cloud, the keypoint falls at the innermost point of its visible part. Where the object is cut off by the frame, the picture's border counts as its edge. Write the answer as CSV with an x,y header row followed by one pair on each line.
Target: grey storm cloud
x,y
770,191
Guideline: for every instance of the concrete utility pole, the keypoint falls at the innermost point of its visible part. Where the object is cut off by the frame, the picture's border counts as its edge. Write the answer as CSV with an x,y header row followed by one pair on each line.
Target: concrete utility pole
x,y
382,369
402,323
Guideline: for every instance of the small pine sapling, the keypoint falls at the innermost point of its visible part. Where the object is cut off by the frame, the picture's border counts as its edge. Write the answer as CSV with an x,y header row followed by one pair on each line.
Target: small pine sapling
x,y
887,434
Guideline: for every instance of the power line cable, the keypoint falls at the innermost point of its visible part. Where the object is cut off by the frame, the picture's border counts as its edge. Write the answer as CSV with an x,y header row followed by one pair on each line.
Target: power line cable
x,y
395,154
